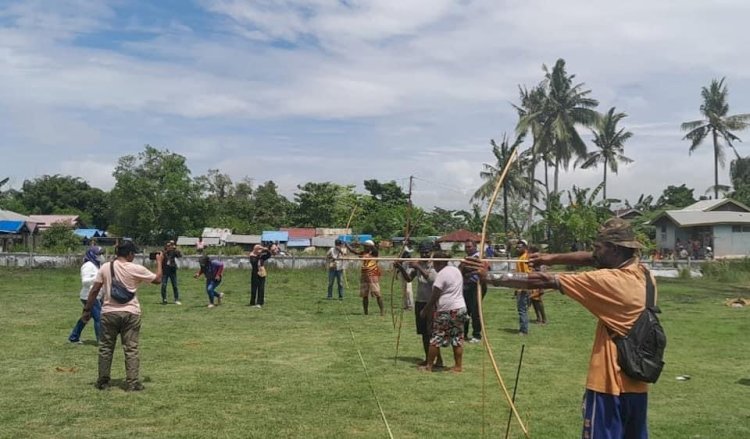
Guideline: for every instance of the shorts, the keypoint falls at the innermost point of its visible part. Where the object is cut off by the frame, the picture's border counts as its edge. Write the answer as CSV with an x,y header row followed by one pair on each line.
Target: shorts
x,y
623,415
448,328
369,286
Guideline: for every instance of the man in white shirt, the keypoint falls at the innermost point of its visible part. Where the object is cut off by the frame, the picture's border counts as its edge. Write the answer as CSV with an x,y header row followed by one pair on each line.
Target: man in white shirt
x,y
448,310
335,268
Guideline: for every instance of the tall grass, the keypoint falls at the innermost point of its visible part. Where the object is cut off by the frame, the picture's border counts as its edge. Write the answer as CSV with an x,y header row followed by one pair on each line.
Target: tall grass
x,y
732,271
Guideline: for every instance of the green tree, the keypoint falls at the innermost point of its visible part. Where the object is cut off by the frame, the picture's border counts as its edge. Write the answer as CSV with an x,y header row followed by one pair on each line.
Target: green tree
x,y
63,194
676,197
154,198
611,143
739,170
716,123
271,208
323,204
389,192
59,238
565,106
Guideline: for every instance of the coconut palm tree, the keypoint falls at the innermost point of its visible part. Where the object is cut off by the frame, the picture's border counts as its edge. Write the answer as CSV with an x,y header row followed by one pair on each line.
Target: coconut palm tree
x,y
515,183
566,105
716,123
610,140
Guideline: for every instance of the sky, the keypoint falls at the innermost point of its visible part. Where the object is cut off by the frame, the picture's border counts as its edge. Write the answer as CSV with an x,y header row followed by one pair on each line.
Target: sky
x,y
312,90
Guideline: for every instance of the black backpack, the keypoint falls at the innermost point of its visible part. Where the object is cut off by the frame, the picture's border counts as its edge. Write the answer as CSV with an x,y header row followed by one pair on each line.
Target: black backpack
x,y
640,353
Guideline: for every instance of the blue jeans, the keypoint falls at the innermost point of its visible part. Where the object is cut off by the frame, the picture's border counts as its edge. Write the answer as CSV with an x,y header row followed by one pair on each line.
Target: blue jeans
x,y
522,304
211,286
96,314
334,274
169,275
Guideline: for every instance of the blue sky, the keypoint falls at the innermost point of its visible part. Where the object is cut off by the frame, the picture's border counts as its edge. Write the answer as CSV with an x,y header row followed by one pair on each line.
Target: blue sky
x,y
343,91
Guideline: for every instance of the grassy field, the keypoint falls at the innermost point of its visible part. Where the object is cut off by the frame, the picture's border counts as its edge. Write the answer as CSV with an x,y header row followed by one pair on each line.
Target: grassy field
x,y
292,369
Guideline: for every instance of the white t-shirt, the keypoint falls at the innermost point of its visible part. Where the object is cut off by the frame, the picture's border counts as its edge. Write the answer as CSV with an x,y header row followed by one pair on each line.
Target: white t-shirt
x,y
450,282
88,274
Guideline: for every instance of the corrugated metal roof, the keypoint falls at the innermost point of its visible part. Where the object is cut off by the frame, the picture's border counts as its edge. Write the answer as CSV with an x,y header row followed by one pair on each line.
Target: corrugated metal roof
x,y
275,235
460,235
299,232
190,241
243,239
327,231
697,218
212,232
324,241
13,216
47,220
709,205
298,243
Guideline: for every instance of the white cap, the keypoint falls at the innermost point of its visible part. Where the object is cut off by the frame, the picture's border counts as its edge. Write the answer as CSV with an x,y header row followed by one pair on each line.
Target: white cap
x,y
524,242
369,242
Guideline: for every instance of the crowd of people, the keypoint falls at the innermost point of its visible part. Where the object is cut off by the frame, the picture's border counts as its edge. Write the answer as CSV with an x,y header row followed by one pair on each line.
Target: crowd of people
x,y
446,305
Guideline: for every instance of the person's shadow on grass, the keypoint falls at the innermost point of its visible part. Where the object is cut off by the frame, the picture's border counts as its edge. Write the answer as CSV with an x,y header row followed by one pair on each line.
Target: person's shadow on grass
x,y
744,381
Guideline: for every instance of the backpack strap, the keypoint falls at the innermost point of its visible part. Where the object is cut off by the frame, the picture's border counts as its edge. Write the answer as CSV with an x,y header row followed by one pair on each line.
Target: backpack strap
x,y
650,291
112,271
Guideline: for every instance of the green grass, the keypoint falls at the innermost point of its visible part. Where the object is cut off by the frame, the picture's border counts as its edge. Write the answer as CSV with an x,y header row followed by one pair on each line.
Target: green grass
x,y
291,370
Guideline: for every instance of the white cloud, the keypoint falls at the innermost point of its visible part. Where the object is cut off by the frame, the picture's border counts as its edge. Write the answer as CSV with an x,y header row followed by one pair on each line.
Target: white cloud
x,y
315,90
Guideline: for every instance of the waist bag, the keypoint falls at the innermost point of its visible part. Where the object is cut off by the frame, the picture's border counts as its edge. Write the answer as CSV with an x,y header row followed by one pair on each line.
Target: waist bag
x,y
640,352
118,291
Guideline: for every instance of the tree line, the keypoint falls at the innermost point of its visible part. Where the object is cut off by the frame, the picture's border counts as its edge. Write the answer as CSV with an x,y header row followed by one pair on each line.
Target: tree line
x,y
156,198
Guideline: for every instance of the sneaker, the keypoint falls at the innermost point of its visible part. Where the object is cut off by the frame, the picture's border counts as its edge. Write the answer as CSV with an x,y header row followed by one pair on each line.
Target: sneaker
x,y
75,341
475,340
102,384
210,305
136,387
258,306
218,298
163,301
177,302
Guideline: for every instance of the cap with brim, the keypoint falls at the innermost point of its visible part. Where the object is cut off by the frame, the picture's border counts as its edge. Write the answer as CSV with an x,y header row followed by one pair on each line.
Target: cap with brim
x,y
524,242
617,231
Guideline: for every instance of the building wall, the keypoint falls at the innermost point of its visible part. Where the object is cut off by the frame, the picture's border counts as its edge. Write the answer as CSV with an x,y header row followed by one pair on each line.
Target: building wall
x,y
731,240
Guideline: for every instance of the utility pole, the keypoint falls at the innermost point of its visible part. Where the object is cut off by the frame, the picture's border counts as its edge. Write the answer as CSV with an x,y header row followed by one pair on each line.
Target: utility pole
x,y
409,207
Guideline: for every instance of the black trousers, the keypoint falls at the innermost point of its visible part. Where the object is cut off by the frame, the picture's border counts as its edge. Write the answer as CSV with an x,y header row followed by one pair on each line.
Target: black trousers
x,y
472,307
257,289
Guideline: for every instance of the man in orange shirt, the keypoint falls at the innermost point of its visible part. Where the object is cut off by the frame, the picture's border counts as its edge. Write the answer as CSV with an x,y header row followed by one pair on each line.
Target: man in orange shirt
x,y
615,405
522,295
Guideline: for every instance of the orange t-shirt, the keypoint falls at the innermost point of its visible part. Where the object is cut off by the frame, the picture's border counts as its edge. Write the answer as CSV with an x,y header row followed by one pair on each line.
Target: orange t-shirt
x,y
617,297
522,266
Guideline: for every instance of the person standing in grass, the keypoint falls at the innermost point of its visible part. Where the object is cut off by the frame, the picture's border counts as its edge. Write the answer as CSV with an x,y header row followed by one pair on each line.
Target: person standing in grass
x,y
370,278
426,275
213,271
335,268
615,405
448,310
89,269
258,274
470,285
536,296
169,272
522,296
118,318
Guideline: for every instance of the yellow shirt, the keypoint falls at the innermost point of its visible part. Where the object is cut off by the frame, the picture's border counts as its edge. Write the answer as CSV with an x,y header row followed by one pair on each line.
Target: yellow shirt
x,y
522,266
370,266
617,297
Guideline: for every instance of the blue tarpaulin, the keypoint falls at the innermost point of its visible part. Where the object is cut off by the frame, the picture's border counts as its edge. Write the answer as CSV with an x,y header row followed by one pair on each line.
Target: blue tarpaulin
x,y
355,238
89,233
7,226
273,236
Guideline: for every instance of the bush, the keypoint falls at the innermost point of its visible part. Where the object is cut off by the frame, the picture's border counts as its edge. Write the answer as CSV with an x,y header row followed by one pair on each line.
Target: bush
x,y
59,238
737,270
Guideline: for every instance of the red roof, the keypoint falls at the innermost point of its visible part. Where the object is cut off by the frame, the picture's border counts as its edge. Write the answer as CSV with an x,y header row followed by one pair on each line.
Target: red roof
x,y
460,235
299,232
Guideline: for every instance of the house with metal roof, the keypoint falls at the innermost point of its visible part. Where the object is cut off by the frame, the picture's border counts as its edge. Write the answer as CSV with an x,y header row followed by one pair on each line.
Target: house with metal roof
x,y
723,225
247,242
15,227
45,221
457,239
299,236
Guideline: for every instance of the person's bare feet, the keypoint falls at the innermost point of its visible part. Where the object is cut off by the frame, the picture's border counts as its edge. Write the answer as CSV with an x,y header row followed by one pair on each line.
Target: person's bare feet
x,y
456,369
422,363
424,368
